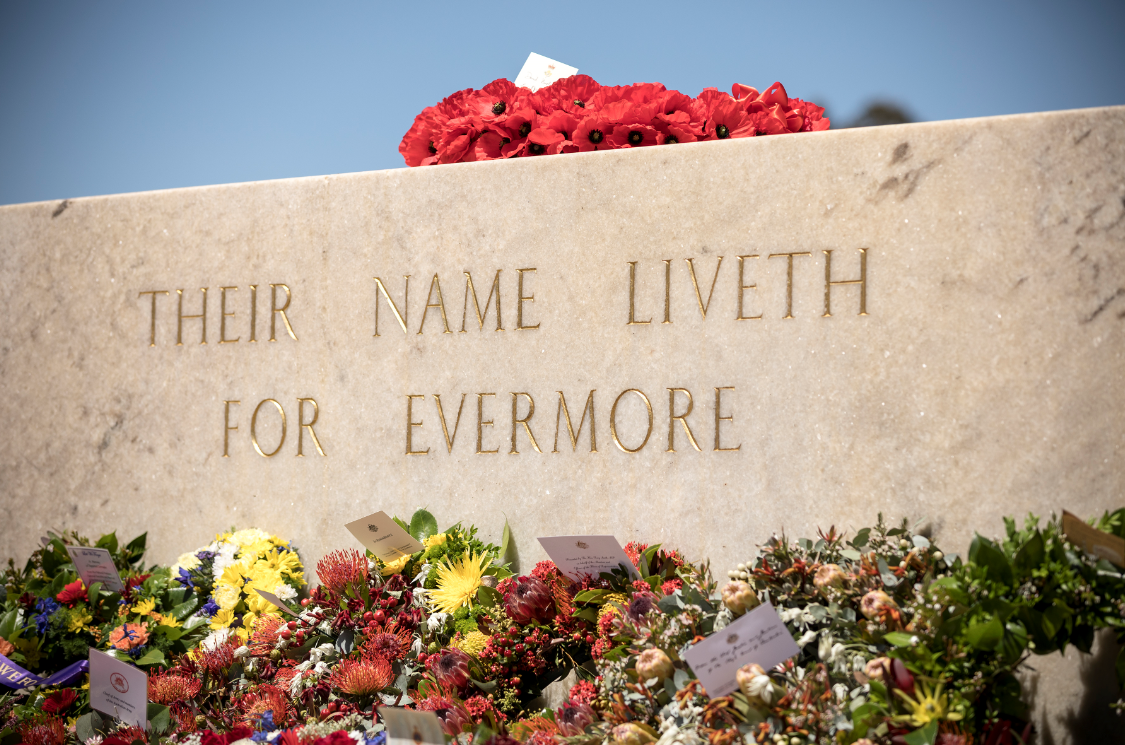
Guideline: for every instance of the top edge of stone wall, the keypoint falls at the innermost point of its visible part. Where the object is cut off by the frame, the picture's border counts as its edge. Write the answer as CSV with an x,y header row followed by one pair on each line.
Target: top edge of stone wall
x,y
584,158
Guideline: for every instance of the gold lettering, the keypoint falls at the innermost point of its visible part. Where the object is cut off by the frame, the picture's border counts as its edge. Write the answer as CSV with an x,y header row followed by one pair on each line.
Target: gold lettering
x,y
226,427
301,425
411,424
223,315
673,417
253,312
516,420
254,428
152,323
789,278
439,304
481,424
613,420
667,291
445,430
471,291
828,282
274,310
401,317
632,297
698,298
180,317
718,404
520,298
563,411
742,288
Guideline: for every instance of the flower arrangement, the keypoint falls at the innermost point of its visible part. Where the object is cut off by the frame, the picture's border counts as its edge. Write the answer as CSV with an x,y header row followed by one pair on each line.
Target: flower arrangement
x,y
899,643
576,114
229,570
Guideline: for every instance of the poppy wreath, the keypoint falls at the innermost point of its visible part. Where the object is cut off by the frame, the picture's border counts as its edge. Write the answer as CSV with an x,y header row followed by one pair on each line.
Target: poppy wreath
x,y
576,114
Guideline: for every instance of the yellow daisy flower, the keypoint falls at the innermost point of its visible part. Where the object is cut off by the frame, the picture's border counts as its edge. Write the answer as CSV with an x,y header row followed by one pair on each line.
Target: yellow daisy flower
x,y
396,566
457,582
144,607
79,620
222,619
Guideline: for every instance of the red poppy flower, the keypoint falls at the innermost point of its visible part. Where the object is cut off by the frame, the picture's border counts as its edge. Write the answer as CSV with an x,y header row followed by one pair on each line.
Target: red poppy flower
x,y
456,137
705,103
772,122
593,133
635,135
72,594
572,95
58,701
812,115
676,127
541,139
638,93
486,147
515,130
728,120
497,100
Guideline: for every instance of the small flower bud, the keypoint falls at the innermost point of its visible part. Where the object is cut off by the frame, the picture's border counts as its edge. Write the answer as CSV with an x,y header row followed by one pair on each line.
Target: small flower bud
x,y
875,601
653,663
630,734
829,575
740,597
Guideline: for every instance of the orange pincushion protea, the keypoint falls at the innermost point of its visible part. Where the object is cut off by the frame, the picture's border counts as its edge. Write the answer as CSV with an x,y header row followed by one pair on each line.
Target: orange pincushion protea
x,y
389,642
362,677
265,634
218,660
341,569
167,689
265,698
47,731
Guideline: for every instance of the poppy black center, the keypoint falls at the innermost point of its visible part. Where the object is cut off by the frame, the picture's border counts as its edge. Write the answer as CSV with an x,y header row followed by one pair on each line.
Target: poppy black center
x,y
535,148
635,138
579,104
433,150
505,141
722,131
596,136
670,140
760,132
499,107
525,129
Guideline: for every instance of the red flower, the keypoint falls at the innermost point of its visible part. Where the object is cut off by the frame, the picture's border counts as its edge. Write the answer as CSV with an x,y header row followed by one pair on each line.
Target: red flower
x,y
72,594
594,132
342,569
497,100
772,122
572,95
540,140
240,732
450,668
364,677
167,689
635,135
812,115
676,127
529,601
58,701
638,93
417,147
515,129
729,120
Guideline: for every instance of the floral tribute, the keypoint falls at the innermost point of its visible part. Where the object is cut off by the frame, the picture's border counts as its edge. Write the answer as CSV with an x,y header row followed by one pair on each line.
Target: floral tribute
x,y
576,114
899,643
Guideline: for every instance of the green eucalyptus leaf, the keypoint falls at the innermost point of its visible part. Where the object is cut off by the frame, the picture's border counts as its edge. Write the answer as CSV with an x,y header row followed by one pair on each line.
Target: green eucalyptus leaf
x,y
489,597
422,525
985,634
159,718
923,736
151,657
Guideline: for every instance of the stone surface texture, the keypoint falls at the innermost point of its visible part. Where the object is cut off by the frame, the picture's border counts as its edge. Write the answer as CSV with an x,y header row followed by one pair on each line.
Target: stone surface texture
x,y
985,380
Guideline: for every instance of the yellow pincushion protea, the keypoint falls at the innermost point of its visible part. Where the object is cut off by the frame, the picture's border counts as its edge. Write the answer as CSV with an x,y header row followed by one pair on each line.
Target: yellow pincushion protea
x,y
472,643
458,582
609,608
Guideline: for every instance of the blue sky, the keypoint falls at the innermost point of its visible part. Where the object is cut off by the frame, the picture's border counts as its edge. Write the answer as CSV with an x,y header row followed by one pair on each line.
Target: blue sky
x,y
108,97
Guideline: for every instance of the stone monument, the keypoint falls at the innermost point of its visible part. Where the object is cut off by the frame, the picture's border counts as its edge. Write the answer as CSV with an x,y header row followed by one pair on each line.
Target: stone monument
x,y
696,345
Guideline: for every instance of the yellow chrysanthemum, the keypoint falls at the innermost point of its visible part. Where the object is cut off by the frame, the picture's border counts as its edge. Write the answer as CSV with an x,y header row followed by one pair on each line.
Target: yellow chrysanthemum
x,y
222,619
472,643
435,540
608,608
233,575
144,607
226,597
248,537
79,620
396,566
457,582
186,561
165,619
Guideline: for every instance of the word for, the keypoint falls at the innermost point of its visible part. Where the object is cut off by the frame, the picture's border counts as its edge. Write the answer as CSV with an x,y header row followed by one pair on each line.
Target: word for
x,y
435,301
680,406
275,311
741,313
302,425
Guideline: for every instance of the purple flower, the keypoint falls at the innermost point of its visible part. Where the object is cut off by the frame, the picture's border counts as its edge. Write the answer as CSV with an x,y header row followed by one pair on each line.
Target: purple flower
x,y
209,608
185,578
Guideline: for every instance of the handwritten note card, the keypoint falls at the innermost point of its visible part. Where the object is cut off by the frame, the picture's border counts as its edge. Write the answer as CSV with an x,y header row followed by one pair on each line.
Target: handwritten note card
x,y
1093,541
759,636
579,555
382,536
411,727
539,72
118,689
95,565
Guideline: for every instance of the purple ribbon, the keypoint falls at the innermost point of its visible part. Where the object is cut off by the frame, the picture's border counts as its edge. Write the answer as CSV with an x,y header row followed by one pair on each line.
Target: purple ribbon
x,y
14,676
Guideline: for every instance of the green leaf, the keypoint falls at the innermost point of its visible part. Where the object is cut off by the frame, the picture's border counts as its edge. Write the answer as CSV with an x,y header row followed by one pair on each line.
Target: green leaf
x,y
8,623
984,552
138,543
985,635
159,718
924,736
185,609
1031,554
899,639
587,595
850,553
489,597
505,544
108,542
680,678
401,524
422,525
151,657
171,633
88,725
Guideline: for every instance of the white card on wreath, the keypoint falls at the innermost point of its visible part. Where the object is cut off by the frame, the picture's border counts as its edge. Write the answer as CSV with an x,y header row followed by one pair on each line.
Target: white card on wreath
x,y
405,727
759,636
382,536
95,565
579,555
539,72
118,689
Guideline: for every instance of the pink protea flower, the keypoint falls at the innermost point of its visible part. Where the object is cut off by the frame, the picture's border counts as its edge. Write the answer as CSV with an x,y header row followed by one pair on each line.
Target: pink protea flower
x,y
574,717
530,600
450,668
